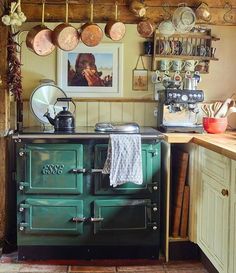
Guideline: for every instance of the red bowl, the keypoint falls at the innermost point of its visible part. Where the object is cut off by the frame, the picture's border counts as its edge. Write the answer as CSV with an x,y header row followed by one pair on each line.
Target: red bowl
x,y
215,125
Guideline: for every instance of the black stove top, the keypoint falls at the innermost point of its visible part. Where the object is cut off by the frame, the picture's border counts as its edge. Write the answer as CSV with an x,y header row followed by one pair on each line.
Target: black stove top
x,y
80,132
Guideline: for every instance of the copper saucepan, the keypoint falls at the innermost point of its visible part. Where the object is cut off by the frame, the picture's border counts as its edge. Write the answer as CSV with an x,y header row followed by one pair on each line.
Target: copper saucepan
x,y
65,36
91,34
114,29
146,28
39,38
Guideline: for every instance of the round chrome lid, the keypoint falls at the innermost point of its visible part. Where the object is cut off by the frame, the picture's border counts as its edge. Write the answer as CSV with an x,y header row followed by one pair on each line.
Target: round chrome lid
x,y
131,127
43,99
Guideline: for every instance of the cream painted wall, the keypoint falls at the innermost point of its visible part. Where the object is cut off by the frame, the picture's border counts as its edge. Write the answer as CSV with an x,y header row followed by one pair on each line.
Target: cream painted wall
x,y
217,85
36,67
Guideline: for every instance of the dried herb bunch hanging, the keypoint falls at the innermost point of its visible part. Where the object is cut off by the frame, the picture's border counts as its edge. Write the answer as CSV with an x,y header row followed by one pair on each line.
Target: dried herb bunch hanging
x,y
14,67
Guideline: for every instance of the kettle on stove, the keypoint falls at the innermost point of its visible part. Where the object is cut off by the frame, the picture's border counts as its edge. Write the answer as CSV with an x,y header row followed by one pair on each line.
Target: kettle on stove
x,y
64,121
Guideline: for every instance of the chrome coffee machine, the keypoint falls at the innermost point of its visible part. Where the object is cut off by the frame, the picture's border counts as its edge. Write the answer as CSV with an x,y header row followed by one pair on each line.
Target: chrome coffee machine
x,y
178,110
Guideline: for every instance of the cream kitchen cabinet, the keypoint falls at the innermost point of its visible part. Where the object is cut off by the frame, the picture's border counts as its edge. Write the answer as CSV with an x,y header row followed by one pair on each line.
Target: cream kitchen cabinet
x,y
213,208
232,227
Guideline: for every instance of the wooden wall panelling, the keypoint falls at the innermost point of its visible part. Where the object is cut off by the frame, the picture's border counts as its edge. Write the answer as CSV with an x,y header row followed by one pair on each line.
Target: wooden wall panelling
x,y
128,112
104,111
79,11
93,113
139,113
150,119
116,111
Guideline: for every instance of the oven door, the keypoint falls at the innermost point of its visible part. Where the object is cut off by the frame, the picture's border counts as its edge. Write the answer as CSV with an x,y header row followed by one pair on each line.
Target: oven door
x,y
51,216
51,168
151,172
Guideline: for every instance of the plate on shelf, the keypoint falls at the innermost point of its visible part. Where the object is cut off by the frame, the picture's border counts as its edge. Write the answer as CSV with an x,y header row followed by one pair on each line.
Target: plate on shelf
x,y
186,48
176,47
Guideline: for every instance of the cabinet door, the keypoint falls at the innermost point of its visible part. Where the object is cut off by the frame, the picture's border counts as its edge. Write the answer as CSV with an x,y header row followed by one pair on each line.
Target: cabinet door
x,y
151,172
51,168
232,228
51,216
122,215
213,222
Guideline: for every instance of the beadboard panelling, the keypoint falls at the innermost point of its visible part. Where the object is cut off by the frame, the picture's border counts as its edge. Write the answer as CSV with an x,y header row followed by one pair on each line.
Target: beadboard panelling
x,y
116,111
93,113
81,113
128,112
104,112
139,113
149,119
89,113
26,114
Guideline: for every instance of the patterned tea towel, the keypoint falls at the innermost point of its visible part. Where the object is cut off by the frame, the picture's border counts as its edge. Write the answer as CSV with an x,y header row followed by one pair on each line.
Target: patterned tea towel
x,y
124,159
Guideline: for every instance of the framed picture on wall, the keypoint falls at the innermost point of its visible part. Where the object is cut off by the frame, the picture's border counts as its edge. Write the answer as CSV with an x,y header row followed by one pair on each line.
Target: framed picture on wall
x,y
140,79
91,71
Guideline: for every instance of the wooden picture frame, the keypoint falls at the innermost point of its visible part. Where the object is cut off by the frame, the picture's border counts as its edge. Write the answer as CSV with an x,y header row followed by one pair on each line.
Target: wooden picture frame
x,y
104,60
140,79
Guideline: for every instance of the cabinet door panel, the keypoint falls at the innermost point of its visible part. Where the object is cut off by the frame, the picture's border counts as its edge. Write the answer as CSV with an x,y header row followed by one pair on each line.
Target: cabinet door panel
x,y
151,172
118,215
213,224
45,216
48,168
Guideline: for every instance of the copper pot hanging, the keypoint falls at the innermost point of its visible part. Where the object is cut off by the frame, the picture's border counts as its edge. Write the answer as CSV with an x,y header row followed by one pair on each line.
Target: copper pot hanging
x,y
39,38
146,28
137,8
91,34
65,36
114,29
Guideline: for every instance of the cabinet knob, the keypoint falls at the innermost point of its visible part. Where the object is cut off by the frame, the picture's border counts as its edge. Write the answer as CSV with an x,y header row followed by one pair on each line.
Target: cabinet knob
x,y
154,227
154,208
155,188
225,192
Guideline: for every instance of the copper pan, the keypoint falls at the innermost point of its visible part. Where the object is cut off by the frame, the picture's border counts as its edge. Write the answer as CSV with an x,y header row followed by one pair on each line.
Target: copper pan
x,y
146,28
39,38
65,36
91,34
114,29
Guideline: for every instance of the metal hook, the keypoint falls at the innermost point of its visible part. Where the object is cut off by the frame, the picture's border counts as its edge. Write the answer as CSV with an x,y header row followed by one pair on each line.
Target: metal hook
x,y
166,8
228,18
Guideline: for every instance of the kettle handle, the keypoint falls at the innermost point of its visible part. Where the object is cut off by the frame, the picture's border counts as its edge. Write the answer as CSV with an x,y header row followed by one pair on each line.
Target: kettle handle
x,y
67,99
64,99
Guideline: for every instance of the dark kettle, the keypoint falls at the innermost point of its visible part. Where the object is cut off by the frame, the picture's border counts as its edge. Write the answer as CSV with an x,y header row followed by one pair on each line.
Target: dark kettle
x,y
64,121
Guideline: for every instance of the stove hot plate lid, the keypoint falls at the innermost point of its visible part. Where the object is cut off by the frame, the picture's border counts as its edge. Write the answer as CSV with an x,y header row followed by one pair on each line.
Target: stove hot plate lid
x,y
131,127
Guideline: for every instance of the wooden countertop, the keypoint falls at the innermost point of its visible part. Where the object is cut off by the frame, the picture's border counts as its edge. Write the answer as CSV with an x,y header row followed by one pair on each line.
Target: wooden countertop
x,y
224,144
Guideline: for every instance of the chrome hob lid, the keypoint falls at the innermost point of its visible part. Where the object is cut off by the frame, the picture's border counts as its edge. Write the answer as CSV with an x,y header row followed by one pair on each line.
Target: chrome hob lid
x,y
131,127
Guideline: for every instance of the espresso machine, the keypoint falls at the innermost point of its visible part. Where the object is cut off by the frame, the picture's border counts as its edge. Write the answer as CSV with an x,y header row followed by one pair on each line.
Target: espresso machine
x,y
178,110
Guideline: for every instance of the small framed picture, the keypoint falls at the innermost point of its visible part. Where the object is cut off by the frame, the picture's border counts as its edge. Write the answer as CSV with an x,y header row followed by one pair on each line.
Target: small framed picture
x,y
140,79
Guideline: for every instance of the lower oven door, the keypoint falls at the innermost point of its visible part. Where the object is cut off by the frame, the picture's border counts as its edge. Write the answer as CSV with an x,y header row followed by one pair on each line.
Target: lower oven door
x,y
51,216
122,221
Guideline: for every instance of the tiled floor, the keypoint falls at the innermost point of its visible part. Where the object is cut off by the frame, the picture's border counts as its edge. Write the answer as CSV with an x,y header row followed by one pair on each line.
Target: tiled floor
x,y
9,264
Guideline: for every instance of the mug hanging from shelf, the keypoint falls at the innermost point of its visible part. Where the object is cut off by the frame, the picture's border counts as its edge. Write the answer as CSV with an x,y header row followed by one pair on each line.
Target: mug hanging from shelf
x,y
140,77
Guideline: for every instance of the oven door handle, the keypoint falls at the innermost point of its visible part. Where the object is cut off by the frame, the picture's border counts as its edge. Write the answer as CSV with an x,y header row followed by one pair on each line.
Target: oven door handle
x,y
75,171
96,170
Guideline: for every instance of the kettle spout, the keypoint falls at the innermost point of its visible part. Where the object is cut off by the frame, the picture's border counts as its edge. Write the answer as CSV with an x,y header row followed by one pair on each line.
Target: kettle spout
x,y
50,119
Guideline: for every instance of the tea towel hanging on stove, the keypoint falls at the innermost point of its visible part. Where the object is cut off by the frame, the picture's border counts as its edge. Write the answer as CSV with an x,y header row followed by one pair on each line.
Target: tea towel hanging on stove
x,y
124,159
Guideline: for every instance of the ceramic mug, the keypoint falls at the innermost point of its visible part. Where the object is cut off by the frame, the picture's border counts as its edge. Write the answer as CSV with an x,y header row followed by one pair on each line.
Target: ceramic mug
x,y
190,65
178,65
156,77
165,65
